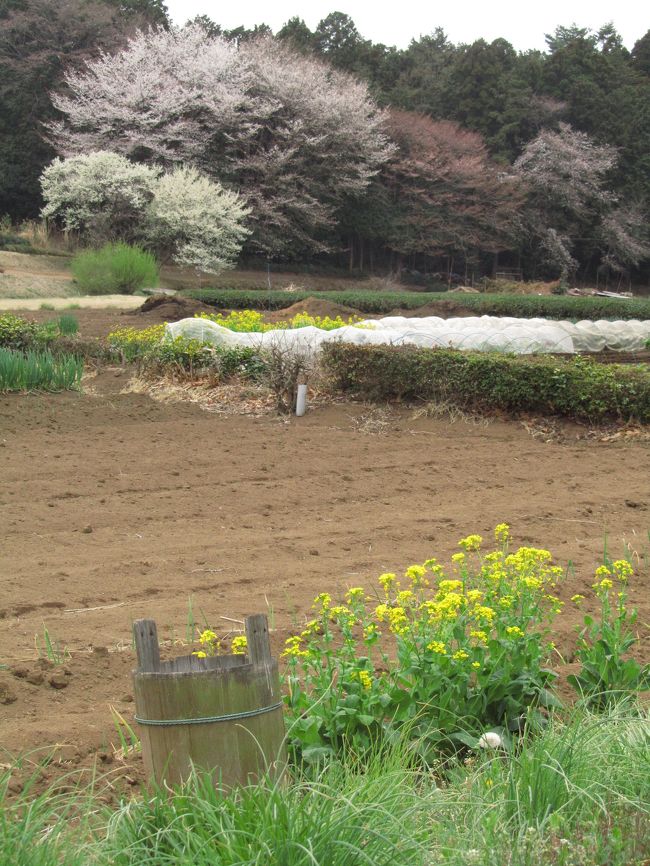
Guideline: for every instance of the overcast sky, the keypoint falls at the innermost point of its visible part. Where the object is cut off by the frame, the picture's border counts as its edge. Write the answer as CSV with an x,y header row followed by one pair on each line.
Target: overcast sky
x,y
521,23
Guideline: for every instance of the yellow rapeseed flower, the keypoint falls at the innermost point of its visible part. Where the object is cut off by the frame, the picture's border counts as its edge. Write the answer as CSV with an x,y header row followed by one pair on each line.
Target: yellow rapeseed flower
x,y
514,631
501,533
416,574
577,598
387,580
623,569
471,542
483,613
324,600
460,655
446,586
238,645
406,596
365,679
382,612
437,646
208,636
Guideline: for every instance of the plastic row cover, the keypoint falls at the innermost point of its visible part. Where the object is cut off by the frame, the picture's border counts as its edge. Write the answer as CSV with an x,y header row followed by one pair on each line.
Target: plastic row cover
x,y
484,333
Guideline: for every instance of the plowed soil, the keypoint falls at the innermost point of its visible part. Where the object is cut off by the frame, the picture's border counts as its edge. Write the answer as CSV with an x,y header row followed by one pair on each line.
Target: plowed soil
x,y
114,506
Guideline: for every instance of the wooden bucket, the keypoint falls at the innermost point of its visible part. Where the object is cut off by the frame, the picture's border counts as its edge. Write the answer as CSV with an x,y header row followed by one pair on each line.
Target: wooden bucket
x,y
222,713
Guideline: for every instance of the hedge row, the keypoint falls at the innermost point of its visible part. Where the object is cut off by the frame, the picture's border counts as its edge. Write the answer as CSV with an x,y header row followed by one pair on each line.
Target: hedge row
x,y
575,388
521,306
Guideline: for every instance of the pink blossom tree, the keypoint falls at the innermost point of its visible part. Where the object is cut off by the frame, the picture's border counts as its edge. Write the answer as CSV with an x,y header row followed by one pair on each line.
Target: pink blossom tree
x,y
293,136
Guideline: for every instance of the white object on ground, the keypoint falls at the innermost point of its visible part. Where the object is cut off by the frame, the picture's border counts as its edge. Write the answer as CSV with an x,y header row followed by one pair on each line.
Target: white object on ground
x,y
482,333
301,400
490,740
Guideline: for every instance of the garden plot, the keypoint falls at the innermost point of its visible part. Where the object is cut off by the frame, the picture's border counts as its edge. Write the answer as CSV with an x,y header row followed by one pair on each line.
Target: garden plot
x,y
484,333
117,507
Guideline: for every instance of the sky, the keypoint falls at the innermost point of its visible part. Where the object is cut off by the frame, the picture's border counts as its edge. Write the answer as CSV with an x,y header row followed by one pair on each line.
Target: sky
x,y
396,23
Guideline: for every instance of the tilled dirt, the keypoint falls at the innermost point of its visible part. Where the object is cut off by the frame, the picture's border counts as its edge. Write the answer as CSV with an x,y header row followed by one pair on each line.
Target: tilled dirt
x,y
115,507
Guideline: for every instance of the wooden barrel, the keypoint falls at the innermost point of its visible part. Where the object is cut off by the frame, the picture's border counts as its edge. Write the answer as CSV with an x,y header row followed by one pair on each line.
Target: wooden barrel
x,y
222,713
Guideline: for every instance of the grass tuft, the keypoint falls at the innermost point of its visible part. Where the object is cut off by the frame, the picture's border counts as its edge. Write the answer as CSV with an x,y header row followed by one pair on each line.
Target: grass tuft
x,y
39,371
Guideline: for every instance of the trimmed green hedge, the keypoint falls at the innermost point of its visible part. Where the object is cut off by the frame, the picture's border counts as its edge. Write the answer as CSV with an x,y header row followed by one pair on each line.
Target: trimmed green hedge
x,y
576,388
521,306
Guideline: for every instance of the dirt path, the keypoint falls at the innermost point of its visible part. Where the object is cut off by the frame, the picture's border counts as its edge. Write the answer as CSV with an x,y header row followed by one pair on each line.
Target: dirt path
x,y
92,302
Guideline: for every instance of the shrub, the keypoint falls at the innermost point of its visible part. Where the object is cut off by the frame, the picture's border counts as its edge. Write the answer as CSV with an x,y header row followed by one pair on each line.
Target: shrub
x,y
115,268
38,371
576,388
442,657
16,333
520,306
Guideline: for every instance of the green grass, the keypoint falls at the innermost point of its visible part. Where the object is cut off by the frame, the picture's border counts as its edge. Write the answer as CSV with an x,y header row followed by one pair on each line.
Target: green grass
x,y
578,794
68,324
39,371
520,306
114,269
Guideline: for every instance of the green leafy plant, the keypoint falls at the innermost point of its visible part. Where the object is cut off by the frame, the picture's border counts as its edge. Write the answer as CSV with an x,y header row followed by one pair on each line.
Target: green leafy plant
x,y
151,348
443,658
51,649
17,333
607,671
39,371
115,268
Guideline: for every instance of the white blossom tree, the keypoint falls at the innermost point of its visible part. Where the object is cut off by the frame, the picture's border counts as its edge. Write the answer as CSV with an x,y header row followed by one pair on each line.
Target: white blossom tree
x,y
195,222
100,196
294,136
181,215
565,173
158,99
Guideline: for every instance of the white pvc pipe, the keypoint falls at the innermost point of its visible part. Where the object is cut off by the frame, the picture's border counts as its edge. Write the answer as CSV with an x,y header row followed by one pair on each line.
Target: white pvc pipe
x,y
301,400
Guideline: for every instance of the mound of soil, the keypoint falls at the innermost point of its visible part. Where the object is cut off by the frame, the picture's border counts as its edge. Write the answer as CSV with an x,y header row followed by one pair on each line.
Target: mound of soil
x,y
171,309
314,307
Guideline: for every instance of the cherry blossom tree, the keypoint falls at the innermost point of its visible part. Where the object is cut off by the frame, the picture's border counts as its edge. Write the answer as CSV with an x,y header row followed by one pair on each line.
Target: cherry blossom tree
x,y
181,215
565,172
294,136
445,195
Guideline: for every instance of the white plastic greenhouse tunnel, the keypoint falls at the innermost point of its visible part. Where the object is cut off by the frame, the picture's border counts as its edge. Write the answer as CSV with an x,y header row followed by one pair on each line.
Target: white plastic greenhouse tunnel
x,y
480,333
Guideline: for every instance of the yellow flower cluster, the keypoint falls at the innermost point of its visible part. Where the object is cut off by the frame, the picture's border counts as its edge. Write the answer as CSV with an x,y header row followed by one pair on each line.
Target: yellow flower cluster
x,y
252,321
209,640
292,647
495,595
238,645
364,678
472,542
144,336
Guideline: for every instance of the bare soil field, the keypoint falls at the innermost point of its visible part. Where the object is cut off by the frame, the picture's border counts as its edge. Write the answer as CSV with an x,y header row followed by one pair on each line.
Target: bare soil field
x,y
114,506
